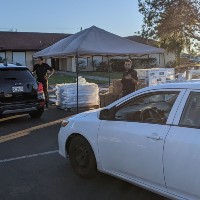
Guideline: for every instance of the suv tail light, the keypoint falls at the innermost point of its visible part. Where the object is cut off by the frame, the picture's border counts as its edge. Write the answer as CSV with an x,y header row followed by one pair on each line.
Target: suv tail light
x,y
40,88
40,93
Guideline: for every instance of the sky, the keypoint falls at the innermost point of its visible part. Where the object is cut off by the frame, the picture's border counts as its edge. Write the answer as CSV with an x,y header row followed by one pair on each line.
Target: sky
x,y
120,17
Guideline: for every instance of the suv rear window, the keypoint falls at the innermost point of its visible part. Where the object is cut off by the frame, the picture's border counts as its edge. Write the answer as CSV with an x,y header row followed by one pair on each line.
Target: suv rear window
x,y
15,74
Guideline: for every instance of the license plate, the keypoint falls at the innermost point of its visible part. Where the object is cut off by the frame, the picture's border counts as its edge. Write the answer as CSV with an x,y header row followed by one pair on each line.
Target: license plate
x,y
18,89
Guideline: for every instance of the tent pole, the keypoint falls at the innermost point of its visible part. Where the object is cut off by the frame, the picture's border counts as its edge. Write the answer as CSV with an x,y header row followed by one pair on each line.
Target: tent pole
x,y
77,108
109,70
93,63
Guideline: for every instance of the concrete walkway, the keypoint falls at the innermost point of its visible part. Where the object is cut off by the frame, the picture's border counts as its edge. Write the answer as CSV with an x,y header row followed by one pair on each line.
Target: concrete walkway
x,y
98,78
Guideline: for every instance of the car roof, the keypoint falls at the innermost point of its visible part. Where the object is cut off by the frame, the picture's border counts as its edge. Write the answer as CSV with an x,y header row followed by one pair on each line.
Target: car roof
x,y
2,65
190,84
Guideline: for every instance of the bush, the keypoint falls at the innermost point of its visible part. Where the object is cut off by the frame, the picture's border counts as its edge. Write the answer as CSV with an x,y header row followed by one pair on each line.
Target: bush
x,y
102,67
138,63
144,63
171,64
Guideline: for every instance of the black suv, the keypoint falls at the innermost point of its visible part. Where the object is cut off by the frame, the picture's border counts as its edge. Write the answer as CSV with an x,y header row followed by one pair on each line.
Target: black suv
x,y
19,92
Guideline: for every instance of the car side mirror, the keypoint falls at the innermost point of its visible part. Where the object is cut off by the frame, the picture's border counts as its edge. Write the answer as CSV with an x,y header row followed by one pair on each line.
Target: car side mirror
x,y
104,114
107,114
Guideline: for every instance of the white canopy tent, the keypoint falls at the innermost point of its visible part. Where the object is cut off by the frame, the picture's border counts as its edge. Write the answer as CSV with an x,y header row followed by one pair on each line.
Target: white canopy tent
x,y
95,42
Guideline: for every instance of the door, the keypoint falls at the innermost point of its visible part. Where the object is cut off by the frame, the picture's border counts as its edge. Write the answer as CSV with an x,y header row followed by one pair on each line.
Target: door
x,y
182,149
131,145
55,63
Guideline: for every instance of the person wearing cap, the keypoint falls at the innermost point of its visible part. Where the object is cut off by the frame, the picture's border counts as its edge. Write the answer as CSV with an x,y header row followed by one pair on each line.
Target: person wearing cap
x,y
41,68
129,78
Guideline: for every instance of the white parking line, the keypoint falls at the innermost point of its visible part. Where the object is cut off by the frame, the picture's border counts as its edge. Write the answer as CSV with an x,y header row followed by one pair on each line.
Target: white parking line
x,y
28,156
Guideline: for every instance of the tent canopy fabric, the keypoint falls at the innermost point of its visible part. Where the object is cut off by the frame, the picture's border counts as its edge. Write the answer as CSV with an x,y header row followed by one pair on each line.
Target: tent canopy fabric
x,y
96,41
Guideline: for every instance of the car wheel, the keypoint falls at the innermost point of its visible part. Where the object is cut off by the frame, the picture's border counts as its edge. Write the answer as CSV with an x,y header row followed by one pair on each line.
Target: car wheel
x,y
37,114
82,157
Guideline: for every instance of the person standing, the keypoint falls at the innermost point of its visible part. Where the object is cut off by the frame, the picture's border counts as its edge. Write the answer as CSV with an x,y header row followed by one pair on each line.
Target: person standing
x,y
41,70
129,78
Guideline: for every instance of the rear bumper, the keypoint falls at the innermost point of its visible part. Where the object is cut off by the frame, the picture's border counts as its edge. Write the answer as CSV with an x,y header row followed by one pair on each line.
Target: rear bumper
x,y
19,108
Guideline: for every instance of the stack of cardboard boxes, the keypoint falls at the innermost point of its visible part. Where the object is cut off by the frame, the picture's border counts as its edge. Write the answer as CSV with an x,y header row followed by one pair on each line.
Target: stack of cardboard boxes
x,y
155,76
115,91
147,77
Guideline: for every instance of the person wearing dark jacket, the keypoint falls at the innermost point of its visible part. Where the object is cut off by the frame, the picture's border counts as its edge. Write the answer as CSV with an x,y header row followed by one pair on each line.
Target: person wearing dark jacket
x,y
41,70
129,78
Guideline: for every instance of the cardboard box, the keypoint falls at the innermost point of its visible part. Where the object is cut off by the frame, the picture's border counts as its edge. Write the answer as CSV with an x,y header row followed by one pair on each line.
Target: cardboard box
x,y
156,76
108,98
117,86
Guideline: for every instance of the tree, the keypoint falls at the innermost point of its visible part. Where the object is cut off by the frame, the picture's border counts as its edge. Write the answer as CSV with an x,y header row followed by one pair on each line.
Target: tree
x,y
174,23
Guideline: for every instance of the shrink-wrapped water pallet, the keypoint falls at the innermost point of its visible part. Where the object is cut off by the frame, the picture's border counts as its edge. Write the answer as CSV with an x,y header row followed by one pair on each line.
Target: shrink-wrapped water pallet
x,y
88,94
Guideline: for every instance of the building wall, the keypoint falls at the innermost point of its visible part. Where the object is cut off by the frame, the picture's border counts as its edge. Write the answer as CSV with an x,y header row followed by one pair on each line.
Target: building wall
x,y
29,55
9,56
73,66
48,61
163,59
29,58
69,64
63,64
169,57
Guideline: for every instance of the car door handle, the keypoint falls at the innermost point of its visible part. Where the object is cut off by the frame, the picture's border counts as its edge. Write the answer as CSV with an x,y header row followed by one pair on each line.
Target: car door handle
x,y
155,137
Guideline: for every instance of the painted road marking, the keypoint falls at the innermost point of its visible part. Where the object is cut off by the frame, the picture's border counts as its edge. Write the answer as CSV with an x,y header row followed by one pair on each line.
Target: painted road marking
x,y
27,131
28,156
15,116
11,117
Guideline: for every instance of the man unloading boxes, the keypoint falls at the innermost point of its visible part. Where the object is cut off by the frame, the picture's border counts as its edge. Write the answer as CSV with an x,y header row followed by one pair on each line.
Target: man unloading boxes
x,y
41,70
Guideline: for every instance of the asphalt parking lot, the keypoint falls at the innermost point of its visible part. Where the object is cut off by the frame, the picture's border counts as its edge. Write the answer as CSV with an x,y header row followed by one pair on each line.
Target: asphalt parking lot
x,y
31,168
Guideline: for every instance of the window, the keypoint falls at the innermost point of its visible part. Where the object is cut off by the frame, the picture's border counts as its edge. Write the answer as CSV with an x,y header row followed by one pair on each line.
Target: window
x,y
14,74
19,57
151,108
191,113
2,56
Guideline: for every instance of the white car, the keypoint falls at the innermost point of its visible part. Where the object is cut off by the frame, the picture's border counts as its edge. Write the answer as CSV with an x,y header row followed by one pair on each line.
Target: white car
x,y
150,138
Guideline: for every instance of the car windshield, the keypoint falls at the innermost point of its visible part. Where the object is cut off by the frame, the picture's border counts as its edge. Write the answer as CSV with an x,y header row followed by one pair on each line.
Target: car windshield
x,y
14,74
168,98
161,103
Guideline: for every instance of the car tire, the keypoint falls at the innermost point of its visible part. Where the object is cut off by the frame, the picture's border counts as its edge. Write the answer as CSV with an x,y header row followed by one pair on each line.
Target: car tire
x,y
82,157
37,114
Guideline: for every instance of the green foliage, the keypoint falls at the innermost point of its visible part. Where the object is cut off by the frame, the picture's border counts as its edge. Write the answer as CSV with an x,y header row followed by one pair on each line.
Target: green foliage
x,y
171,16
138,63
171,64
102,67
59,79
145,63
174,23
117,65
